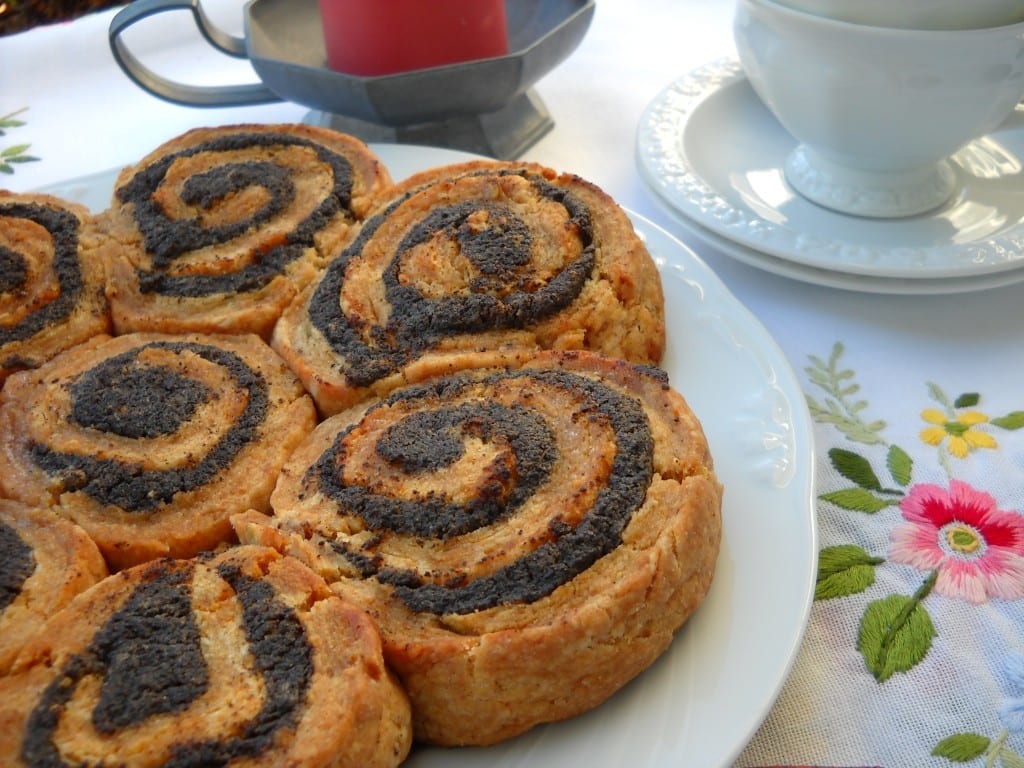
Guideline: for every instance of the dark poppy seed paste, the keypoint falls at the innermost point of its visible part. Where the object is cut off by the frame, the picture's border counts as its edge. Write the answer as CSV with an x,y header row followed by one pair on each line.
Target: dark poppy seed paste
x,y
149,657
431,441
17,563
283,658
135,402
13,271
166,239
121,382
410,444
62,227
504,295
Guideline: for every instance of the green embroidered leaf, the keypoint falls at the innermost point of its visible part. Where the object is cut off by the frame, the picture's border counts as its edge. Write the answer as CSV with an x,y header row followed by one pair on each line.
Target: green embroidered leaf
x,y
854,467
1014,420
900,465
844,570
817,373
895,635
939,396
856,500
967,400
855,430
962,747
1010,759
10,119
853,389
10,156
839,409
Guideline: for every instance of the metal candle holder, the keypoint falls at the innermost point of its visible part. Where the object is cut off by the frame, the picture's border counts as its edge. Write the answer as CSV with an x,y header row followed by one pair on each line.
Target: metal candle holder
x,y
487,106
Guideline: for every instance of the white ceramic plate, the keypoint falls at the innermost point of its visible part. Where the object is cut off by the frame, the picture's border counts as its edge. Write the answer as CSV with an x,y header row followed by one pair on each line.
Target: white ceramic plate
x,y
906,286
713,153
702,701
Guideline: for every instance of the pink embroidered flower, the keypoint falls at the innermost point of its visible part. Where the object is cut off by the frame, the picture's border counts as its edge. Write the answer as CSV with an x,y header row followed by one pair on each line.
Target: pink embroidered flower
x,y
976,548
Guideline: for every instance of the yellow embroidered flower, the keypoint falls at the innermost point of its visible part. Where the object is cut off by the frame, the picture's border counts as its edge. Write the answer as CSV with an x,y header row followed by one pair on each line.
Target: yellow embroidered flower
x,y
962,438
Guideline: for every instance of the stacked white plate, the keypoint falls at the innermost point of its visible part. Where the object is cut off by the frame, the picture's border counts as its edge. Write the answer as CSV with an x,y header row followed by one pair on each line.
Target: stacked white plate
x,y
713,154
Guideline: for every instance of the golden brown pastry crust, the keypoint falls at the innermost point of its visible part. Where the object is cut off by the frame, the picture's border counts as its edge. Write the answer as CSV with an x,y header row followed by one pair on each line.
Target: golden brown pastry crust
x,y
246,658
44,562
219,228
528,538
467,259
149,441
51,279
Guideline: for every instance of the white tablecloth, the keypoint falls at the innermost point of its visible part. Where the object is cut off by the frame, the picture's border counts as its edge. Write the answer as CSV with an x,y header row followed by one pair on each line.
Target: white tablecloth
x,y
917,400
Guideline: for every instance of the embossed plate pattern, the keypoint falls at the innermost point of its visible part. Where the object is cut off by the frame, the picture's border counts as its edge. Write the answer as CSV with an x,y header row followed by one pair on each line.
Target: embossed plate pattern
x,y
712,152
702,701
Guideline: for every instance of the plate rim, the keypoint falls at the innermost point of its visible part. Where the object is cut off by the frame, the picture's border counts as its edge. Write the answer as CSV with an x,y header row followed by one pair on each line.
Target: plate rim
x,y
845,281
803,487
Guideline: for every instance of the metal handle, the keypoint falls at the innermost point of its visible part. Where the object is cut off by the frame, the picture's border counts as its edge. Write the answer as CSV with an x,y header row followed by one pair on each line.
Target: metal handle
x,y
179,93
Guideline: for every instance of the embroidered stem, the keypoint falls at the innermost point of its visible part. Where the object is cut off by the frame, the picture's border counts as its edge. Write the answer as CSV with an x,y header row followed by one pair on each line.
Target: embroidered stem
x,y
900,620
992,754
945,463
896,632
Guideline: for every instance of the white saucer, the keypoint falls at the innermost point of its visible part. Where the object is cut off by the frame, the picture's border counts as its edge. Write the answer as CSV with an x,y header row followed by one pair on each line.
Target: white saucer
x,y
847,280
712,152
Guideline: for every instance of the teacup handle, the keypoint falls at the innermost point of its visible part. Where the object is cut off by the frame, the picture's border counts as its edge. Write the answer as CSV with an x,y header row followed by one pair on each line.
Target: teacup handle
x,y
180,93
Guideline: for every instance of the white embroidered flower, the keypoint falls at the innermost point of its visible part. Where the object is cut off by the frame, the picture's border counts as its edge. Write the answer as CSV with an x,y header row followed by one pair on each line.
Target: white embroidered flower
x,y
1012,710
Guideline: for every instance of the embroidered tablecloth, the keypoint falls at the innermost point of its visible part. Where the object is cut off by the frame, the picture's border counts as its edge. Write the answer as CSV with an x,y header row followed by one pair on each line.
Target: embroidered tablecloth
x,y
913,653
913,656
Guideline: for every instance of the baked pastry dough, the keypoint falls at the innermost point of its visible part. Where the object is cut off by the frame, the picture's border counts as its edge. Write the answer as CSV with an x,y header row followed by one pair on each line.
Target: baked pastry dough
x,y
219,228
44,562
51,279
467,259
246,658
150,442
528,538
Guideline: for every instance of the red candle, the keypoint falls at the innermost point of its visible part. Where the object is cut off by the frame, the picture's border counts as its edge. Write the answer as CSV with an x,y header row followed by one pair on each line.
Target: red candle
x,y
378,37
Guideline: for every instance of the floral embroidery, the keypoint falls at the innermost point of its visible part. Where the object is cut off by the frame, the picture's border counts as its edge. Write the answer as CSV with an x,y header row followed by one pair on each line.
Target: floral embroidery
x,y
964,544
955,425
977,549
1012,710
964,747
16,153
962,436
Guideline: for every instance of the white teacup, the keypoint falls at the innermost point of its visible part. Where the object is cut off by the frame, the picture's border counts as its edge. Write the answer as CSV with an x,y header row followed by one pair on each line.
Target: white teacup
x,y
877,111
917,14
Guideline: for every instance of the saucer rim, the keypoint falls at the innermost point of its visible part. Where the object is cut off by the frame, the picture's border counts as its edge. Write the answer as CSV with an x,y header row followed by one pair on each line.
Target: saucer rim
x,y
847,281
663,158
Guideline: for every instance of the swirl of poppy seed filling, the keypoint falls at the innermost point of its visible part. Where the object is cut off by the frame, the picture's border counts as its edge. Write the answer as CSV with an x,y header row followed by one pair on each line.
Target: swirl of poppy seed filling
x,y
62,227
503,295
571,550
431,441
17,563
166,239
149,657
134,401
